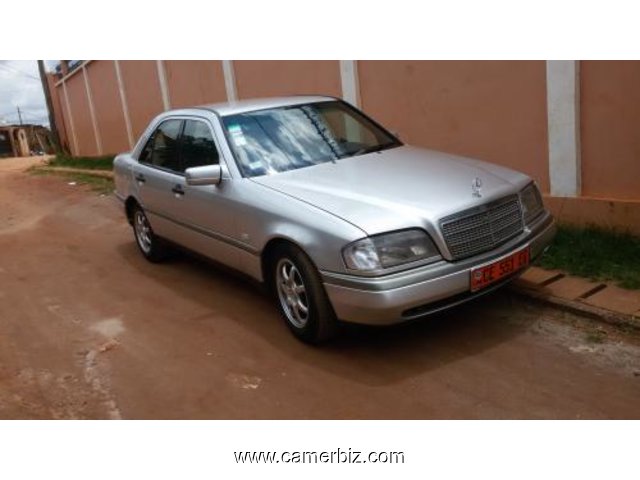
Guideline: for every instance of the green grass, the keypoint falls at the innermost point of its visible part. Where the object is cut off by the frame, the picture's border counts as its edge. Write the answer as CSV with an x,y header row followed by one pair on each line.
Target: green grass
x,y
596,253
104,162
97,184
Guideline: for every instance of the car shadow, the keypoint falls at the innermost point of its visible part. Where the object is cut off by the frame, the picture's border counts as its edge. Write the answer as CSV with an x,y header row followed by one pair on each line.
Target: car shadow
x,y
367,355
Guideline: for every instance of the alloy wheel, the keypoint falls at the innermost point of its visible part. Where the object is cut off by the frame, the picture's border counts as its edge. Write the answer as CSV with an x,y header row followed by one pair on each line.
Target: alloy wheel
x,y
143,231
292,293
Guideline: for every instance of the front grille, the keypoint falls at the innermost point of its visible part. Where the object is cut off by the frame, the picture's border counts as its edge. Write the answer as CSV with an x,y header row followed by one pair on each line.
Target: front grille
x,y
482,228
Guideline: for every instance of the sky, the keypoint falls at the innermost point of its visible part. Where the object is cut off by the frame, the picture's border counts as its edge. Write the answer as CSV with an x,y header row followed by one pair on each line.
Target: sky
x,y
20,87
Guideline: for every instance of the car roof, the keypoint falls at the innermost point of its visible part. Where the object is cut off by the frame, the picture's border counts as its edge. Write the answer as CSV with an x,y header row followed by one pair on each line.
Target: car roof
x,y
248,105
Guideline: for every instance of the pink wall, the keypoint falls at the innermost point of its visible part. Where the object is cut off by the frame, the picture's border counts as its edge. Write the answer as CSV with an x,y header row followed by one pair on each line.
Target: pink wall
x,y
81,116
108,106
192,82
610,128
270,78
140,78
491,110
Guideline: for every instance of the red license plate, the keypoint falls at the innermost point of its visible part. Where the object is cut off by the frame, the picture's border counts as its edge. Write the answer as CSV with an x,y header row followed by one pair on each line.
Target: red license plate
x,y
488,274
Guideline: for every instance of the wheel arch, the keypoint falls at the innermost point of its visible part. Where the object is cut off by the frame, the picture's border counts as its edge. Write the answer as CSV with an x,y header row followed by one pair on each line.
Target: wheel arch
x,y
269,250
129,204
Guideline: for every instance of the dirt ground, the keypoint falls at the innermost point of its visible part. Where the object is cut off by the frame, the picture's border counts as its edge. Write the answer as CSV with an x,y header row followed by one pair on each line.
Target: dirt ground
x,y
89,329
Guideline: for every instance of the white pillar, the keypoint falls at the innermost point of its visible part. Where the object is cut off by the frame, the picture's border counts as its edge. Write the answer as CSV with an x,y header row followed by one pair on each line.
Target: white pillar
x,y
563,111
164,88
92,112
71,124
349,80
229,80
123,101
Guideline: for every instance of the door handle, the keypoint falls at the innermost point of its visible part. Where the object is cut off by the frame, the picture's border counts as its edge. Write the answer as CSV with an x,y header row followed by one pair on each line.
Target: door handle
x,y
140,178
177,189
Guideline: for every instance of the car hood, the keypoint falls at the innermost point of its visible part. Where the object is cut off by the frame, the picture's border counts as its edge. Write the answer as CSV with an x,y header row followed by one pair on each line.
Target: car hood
x,y
397,188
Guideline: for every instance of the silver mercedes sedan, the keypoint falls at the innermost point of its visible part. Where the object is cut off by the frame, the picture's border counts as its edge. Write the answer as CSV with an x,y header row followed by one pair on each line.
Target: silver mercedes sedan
x,y
338,217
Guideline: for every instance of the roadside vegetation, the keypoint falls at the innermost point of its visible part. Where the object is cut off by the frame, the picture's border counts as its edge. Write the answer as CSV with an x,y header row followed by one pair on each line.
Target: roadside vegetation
x,y
98,183
104,162
596,253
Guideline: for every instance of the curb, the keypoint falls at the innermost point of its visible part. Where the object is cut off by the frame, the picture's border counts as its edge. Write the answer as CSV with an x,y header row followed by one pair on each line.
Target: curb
x,y
579,308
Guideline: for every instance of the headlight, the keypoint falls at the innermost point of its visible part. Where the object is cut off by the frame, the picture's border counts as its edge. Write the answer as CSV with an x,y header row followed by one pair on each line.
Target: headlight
x,y
531,202
389,250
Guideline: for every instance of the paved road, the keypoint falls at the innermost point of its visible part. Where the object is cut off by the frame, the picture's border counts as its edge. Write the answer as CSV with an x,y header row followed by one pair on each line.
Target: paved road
x,y
88,329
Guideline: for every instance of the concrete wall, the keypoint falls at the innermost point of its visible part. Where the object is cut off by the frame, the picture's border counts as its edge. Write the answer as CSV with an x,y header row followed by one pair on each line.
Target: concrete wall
x,y
618,215
493,110
140,78
108,109
79,103
610,129
194,83
276,78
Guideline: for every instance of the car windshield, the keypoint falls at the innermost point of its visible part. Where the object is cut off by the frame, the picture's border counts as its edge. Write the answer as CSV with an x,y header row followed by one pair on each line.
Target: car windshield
x,y
276,140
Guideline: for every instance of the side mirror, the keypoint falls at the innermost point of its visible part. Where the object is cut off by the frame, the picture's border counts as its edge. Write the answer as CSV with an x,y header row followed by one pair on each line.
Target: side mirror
x,y
207,175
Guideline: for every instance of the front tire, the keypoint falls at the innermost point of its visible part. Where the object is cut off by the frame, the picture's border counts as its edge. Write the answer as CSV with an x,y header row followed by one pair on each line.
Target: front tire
x,y
300,295
149,244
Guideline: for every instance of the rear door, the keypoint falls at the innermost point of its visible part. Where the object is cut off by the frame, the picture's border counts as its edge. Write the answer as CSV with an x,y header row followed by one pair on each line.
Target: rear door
x,y
156,175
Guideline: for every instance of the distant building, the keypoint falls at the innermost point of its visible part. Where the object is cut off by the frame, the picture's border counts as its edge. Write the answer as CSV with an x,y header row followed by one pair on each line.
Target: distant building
x,y
24,140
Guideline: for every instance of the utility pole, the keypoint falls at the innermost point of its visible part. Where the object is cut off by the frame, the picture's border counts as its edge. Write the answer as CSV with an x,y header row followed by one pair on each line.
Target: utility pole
x,y
55,137
19,115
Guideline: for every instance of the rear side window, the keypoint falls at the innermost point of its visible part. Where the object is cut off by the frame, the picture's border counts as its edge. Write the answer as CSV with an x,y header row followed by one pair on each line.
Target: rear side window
x,y
162,150
198,148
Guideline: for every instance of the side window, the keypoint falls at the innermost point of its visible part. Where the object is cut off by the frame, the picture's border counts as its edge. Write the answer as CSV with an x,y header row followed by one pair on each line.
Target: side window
x,y
198,147
162,149
145,154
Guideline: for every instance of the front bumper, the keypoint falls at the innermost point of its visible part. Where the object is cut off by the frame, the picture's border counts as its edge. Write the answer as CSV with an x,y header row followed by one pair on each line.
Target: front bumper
x,y
425,290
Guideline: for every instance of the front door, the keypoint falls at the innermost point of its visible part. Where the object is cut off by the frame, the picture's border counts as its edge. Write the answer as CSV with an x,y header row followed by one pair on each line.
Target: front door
x,y
208,222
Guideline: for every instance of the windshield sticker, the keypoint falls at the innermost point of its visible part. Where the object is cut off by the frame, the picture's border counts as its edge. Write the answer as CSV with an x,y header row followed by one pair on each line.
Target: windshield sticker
x,y
237,136
255,165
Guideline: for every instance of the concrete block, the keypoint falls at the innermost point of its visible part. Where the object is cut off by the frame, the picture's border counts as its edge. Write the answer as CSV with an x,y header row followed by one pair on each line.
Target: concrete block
x,y
535,276
616,299
570,288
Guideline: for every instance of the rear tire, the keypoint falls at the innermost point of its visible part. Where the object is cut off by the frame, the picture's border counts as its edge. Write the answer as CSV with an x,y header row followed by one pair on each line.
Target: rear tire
x,y
149,244
300,295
